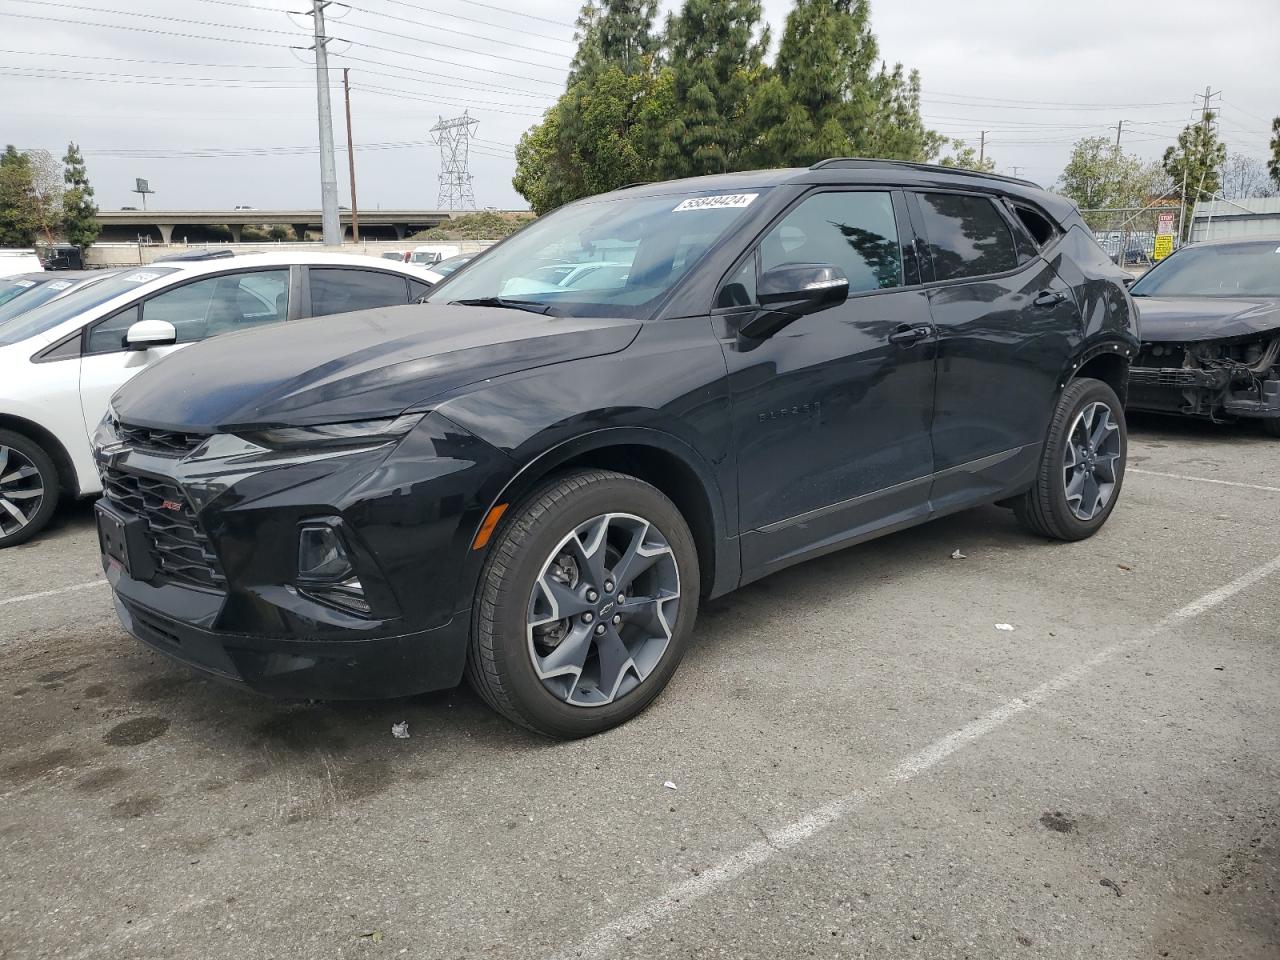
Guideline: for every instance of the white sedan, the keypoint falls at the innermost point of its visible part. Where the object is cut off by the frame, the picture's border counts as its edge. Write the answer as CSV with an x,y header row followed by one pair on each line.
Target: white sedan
x,y
61,362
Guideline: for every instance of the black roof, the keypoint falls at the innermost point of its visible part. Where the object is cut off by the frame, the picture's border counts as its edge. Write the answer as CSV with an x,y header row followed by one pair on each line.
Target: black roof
x,y
897,173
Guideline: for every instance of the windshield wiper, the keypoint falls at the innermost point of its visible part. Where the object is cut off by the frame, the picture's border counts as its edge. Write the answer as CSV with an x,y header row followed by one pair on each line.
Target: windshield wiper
x,y
533,306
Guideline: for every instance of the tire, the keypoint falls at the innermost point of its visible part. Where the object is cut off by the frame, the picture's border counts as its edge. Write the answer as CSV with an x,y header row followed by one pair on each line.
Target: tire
x,y
517,639
1272,426
24,512
1046,509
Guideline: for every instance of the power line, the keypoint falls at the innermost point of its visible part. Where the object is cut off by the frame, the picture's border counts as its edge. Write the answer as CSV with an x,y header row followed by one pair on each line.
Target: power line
x,y
507,10
461,49
454,63
1057,103
156,16
522,45
457,16
154,32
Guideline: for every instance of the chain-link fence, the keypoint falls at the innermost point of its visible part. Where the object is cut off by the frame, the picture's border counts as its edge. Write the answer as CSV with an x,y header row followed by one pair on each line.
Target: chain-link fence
x,y
1128,234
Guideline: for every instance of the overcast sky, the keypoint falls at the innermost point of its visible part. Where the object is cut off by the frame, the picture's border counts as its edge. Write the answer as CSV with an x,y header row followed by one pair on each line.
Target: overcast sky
x,y
229,116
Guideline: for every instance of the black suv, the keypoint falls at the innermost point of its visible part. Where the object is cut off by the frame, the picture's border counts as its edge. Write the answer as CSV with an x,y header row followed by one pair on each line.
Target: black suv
x,y
643,399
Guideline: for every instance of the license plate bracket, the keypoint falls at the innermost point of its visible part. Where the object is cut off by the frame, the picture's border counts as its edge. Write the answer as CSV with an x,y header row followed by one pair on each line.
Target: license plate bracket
x,y
123,539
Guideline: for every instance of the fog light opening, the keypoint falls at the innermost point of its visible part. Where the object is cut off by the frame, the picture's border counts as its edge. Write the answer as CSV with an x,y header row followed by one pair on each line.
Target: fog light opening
x,y
321,555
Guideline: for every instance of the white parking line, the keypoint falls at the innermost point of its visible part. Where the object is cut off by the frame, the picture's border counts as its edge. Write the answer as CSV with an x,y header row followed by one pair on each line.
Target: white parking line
x,y
606,941
53,593
1224,483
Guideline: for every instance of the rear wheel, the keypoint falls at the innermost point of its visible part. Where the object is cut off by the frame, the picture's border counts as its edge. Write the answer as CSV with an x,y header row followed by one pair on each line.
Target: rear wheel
x,y
28,488
585,605
1082,468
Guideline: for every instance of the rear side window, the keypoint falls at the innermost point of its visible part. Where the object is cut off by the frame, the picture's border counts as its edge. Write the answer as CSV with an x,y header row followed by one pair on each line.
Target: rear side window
x,y
335,290
854,231
967,236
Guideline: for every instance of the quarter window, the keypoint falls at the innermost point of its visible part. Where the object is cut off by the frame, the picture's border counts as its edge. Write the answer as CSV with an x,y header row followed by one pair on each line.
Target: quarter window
x,y
854,231
341,291
967,236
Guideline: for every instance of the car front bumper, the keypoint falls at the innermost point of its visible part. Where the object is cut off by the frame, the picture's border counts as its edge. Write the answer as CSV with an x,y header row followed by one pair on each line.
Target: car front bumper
x,y
1199,392
393,666
218,585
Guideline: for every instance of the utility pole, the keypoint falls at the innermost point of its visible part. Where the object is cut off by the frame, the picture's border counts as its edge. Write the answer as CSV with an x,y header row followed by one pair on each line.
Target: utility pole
x,y
328,172
351,157
1119,129
982,146
1184,214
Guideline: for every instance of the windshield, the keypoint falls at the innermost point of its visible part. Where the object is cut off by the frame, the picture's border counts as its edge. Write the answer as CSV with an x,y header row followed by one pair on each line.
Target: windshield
x,y
19,296
90,295
614,257
16,287
1220,270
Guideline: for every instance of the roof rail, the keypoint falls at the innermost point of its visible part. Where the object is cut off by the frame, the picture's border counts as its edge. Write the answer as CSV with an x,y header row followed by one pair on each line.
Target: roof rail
x,y
196,255
869,163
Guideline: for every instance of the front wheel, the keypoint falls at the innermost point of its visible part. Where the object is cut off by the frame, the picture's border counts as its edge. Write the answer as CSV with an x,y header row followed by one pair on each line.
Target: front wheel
x,y
585,605
28,488
1082,467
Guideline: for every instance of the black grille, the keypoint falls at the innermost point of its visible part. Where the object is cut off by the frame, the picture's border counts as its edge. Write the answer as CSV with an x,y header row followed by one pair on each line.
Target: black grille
x,y
166,442
179,547
1166,376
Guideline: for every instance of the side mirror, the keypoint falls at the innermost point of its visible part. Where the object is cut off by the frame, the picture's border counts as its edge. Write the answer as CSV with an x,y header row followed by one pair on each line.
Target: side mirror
x,y
146,334
792,291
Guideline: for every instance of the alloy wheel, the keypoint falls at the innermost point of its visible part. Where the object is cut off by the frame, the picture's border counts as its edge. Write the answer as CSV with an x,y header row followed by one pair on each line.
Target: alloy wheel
x,y
1090,463
21,491
602,609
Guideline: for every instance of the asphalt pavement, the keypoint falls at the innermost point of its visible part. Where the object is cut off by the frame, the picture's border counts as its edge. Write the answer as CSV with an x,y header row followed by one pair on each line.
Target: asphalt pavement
x,y
863,765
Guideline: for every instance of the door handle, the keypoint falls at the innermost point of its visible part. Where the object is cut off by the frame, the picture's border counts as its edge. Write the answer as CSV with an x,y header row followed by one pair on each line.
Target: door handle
x,y
1049,298
907,334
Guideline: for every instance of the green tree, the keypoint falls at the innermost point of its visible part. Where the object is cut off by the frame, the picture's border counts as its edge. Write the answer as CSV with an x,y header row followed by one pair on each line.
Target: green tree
x,y
715,52
831,97
1098,175
1273,165
1193,165
18,220
79,212
965,157
618,32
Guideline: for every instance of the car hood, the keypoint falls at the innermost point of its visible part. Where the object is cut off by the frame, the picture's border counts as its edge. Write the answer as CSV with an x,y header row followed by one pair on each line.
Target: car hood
x,y
1188,319
375,363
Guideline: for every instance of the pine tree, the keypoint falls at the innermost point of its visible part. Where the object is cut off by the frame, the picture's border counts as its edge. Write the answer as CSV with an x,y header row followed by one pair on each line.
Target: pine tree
x,y
80,213
1194,163
18,220
715,57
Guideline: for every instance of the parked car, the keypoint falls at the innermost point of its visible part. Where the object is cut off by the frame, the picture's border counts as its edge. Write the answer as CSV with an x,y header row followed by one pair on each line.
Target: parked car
x,y
1211,333
61,361
14,261
63,256
539,491
399,256
446,267
26,291
430,254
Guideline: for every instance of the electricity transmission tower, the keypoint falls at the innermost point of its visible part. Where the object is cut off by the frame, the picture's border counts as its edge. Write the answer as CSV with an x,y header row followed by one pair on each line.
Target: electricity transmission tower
x,y
454,138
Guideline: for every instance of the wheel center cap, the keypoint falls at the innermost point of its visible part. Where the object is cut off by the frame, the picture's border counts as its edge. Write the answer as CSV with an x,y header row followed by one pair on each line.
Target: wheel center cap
x,y
606,609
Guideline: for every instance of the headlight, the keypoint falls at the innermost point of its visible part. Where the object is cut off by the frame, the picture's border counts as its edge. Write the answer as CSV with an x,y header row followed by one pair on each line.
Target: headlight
x,y
353,433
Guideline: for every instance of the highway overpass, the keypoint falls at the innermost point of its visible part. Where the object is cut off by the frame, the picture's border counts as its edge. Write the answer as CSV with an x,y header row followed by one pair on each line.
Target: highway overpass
x,y
166,226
